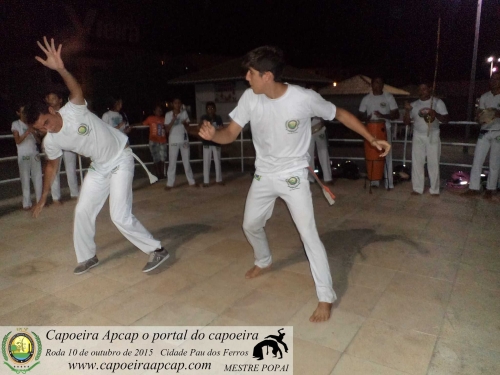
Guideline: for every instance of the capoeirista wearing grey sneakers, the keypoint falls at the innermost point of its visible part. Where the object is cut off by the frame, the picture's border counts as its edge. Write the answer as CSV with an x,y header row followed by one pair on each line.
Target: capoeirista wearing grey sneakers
x,y
75,128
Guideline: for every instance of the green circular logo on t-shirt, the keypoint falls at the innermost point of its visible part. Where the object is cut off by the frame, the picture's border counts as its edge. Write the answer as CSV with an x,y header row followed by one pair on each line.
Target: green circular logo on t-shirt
x,y
292,125
83,129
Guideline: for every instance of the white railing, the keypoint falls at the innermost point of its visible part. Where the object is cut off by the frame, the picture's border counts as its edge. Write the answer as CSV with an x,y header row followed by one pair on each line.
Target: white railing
x,y
242,156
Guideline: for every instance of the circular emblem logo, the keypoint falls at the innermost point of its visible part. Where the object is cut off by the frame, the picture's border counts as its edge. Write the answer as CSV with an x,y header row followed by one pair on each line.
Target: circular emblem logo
x,y
383,104
292,125
293,182
21,348
83,129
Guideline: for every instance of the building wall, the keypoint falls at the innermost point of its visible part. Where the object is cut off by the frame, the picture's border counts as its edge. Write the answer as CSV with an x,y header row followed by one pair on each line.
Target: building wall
x,y
211,92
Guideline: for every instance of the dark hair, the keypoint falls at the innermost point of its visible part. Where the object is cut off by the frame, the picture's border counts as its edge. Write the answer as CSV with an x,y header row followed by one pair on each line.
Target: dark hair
x,y
265,59
378,77
210,104
33,110
56,93
18,105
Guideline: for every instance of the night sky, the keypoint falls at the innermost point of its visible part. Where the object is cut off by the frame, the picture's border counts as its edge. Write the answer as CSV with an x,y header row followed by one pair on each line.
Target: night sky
x,y
396,38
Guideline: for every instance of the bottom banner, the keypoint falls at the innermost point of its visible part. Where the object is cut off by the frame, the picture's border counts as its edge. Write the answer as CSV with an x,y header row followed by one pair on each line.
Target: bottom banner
x,y
147,350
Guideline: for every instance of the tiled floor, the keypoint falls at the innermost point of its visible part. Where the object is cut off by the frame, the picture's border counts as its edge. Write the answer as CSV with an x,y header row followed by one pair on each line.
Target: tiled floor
x,y
418,278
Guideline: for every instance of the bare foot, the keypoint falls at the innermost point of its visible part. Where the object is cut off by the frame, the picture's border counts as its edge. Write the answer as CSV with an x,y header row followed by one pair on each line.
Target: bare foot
x,y
322,312
57,203
256,271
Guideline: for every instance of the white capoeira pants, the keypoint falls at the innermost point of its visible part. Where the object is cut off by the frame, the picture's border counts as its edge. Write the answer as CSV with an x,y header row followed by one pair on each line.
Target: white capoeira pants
x,y
173,153
320,139
97,186
30,167
425,147
208,152
70,166
388,176
486,142
293,188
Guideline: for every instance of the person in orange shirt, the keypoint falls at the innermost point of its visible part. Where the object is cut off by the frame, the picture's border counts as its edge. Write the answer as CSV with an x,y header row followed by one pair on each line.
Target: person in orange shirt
x,y
157,140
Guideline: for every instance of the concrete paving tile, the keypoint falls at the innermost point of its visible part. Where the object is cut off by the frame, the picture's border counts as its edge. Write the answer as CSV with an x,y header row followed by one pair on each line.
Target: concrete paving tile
x,y
310,358
349,365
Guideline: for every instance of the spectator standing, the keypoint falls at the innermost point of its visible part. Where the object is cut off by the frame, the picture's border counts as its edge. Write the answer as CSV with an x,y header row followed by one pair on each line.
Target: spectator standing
x,y
157,140
211,148
177,120
28,157
426,113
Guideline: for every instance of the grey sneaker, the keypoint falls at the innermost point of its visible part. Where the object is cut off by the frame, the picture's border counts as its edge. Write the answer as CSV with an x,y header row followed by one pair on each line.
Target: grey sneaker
x,y
155,259
85,266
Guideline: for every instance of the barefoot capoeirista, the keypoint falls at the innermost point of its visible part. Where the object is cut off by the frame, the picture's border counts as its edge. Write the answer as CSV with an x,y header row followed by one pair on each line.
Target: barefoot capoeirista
x,y
256,271
322,312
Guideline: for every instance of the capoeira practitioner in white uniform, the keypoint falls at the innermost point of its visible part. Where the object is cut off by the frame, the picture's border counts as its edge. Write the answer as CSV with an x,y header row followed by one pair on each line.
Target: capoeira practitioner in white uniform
x,y
426,113
489,137
381,105
76,129
280,117
28,158
54,100
177,120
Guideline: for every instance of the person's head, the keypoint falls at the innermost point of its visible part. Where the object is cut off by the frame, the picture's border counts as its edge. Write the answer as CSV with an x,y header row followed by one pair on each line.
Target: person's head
x,y
377,85
177,104
116,104
211,108
54,100
424,91
158,111
264,65
20,112
495,81
43,117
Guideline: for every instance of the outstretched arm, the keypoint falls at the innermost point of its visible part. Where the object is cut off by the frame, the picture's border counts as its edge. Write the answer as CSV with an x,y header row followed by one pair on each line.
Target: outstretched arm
x,y
349,120
222,136
54,61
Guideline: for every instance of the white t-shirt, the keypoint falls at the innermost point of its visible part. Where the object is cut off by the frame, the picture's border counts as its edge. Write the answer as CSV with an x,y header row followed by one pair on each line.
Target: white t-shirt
x,y
28,146
488,100
177,132
420,109
281,128
384,103
114,119
86,134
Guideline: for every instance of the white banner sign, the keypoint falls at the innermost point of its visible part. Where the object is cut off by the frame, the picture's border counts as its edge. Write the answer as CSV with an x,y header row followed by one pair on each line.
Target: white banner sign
x,y
146,350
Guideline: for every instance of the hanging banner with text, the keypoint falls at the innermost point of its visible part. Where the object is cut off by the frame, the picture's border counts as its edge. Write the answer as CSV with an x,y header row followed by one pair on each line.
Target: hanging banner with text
x,y
146,350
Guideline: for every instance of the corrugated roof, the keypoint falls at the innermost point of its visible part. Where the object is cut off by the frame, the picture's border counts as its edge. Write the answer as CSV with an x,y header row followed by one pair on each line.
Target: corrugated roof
x,y
232,71
358,85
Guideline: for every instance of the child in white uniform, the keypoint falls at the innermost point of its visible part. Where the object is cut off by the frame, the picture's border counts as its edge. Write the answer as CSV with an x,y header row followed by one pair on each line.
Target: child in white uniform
x,y
280,117
176,121
28,158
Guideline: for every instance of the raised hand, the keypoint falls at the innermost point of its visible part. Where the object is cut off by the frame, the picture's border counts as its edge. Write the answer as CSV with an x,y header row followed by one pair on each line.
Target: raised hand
x,y
53,60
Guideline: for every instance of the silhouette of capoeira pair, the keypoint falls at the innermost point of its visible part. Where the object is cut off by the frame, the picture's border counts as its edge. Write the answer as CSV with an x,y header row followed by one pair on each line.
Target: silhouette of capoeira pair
x,y
258,351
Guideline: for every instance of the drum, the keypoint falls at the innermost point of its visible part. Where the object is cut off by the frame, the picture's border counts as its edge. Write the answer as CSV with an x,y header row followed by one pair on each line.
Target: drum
x,y
374,163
